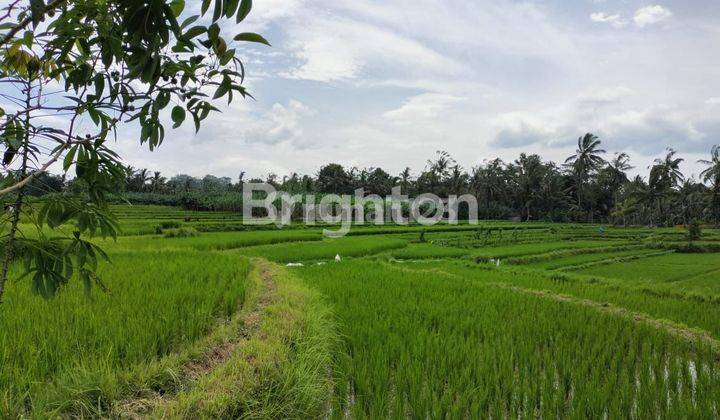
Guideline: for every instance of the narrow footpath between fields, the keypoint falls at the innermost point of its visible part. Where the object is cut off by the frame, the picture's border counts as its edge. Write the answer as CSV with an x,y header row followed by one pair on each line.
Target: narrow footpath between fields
x,y
273,359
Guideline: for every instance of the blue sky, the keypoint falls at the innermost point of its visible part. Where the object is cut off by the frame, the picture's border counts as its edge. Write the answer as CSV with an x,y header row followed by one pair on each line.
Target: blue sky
x,y
388,82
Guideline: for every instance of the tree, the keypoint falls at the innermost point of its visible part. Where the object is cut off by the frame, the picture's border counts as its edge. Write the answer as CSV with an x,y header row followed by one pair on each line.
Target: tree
x,y
711,175
405,180
667,170
333,179
665,175
117,62
585,161
157,182
490,179
694,231
379,182
528,174
611,179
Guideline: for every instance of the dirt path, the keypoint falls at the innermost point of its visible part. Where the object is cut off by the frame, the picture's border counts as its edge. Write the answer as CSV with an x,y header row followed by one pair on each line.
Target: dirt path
x,y
246,322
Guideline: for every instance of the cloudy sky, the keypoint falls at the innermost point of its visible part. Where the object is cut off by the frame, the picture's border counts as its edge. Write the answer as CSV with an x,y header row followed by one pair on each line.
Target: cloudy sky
x,y
388,82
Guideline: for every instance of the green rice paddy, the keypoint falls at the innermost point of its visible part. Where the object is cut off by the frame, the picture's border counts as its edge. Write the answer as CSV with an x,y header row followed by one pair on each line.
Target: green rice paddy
x,y
529,320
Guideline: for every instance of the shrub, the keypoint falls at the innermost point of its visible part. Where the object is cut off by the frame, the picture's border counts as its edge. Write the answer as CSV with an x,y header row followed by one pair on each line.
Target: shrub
x,y
181,233
172,224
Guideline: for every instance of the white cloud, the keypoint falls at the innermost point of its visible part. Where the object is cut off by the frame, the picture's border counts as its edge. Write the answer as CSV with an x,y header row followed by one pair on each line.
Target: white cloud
x,y
604,96
650,15
281,124
614,20
524,128
333,48
426,106
397,79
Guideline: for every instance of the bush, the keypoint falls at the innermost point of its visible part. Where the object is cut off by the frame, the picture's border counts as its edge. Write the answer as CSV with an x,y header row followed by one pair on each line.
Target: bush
x,y
181,233
694,231
172,224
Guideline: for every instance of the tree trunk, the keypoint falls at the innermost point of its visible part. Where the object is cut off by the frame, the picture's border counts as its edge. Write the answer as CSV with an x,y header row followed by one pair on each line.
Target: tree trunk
x,y
10,245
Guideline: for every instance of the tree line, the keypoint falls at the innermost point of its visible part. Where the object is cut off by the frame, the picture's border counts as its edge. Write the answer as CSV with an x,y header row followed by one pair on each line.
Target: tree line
x,y
589,186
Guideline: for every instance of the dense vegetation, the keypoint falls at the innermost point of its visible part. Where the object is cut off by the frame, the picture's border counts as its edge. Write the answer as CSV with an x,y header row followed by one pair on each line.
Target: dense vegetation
x,y
534,315
586,188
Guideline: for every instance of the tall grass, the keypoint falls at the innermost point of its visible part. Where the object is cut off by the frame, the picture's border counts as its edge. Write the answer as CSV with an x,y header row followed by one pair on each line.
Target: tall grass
x,y
694,307
327,249
75,347
425,345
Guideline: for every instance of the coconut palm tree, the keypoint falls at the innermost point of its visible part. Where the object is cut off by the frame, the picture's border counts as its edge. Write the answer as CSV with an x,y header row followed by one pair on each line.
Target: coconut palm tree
x,y
490,179
619,165
584,162
711,175
712,172
405,180
668,169
157,182
617,173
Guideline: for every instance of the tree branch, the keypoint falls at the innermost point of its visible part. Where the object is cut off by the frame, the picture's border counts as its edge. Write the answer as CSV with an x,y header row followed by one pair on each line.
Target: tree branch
x,y
27,21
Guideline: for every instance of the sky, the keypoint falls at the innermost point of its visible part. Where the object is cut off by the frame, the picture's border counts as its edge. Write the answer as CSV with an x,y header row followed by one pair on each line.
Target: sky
x,y
386,83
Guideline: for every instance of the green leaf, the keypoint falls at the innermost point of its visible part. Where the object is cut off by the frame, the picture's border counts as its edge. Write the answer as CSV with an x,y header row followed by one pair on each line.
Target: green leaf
x,y
28,38
69,158
244,10
189,21
251,37
223,88
230,7
205,6
177,7
178,115
194,31
218,10
213,32
37,11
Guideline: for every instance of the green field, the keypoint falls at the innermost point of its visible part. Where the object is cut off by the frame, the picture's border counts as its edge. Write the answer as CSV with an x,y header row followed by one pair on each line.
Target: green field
x,y
200,317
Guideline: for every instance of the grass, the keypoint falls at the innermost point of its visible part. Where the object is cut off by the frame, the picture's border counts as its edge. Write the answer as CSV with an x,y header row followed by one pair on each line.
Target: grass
x,y
421,344
694,308
665,268
73,348
520,250
280,371
595,258
325,250
417,251
576,322
215,241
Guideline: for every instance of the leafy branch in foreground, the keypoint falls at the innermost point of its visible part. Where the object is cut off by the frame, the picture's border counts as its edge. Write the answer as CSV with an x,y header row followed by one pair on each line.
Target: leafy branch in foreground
x,y
71,72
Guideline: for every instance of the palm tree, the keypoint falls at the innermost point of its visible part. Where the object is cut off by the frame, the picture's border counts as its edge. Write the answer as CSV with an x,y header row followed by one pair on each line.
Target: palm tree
x,y
712,175
689,200
585,161
157,182
668,169
617,168
438,171
142,176
619,165
712,172
405,180
490,179
457,180
528,178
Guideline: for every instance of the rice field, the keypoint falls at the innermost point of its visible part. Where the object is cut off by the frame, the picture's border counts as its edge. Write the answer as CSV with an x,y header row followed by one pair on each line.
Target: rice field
x,y
423,343
497,320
